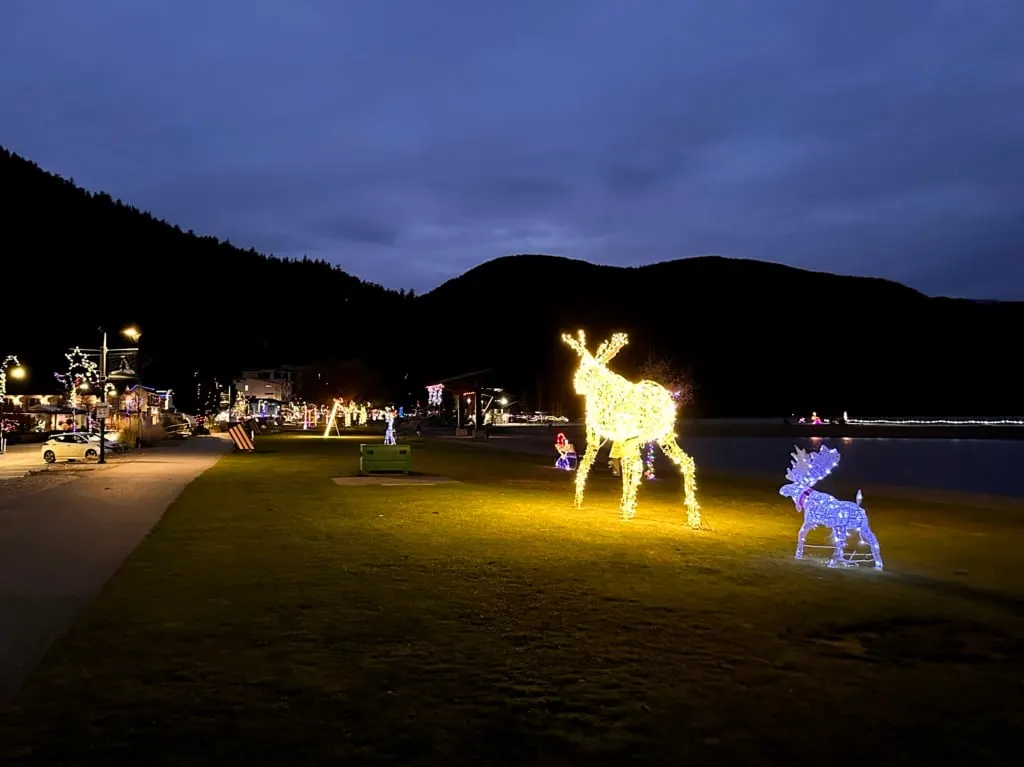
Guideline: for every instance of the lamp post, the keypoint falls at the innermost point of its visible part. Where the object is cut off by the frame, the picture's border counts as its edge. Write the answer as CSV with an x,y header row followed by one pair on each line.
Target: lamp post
x,y
103,400
133,334
17,371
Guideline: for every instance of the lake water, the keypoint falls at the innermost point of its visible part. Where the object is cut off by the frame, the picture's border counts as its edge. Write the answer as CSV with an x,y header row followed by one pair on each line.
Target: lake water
x,y
994,467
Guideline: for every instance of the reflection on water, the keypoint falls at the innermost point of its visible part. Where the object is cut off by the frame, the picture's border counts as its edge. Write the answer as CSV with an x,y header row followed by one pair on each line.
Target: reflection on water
x,y
964,465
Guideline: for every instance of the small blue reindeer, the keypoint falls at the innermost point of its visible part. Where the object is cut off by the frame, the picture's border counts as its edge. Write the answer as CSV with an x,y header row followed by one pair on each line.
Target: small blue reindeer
x,y
823,510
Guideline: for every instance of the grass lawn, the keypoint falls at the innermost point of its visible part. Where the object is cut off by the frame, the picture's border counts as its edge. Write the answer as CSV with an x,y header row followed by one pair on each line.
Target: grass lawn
x,y
274,617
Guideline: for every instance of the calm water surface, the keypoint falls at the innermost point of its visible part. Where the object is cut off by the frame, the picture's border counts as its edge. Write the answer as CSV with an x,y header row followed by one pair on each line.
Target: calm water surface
x,y
966,465
993,467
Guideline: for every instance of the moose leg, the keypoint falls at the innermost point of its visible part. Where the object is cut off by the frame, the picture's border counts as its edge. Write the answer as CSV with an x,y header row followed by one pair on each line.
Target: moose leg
x,y
632,472
839,535
593,445
805,528
686,465
868,537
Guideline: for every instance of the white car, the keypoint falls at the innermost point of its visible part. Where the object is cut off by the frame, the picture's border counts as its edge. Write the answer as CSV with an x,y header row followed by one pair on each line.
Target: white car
x,y
112,446
69,447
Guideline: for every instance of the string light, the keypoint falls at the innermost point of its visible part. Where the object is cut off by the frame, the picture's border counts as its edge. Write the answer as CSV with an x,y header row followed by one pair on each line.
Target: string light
x,y
389,433
434,394
823,510
241,405
10,363
629,414
566,453
932,422
649,461
332,419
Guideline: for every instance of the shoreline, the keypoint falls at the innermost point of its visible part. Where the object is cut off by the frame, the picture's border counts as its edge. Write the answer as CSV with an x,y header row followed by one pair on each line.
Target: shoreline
x,y
760,429
881,490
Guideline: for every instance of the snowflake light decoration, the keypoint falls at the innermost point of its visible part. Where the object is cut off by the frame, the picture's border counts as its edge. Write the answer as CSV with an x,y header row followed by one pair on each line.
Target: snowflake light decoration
x,y
823,510
435,392
630,414
389,433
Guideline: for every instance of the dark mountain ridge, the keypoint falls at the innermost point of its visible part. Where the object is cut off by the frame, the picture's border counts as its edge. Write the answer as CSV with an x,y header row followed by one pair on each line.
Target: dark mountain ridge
x,y
760,338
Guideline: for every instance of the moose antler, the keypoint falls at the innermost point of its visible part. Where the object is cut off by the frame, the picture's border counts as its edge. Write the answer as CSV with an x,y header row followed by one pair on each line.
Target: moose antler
x,y
579,344
800,467
823,461
611,347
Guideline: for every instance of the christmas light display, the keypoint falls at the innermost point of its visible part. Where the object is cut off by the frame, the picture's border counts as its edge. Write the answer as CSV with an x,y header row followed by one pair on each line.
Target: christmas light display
x,y
933,422
649,461
389,433
241,409
363,415
10,363
347,414
631,414
823,510
82,374
332,419
434,395
566,453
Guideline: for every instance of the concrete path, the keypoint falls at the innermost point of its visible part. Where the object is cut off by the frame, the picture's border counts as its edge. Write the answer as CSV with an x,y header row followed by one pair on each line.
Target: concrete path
x,y
18,460
59,546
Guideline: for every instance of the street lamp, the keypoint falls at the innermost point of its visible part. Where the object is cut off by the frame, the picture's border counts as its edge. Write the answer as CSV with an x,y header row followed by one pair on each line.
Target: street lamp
x,y
134,334
17,372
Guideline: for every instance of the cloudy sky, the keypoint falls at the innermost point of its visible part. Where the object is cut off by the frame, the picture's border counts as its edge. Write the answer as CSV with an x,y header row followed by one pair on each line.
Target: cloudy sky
x,y
409,140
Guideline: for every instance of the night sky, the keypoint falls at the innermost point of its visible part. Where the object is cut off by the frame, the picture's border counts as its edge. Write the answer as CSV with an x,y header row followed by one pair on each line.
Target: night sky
x,y
408,140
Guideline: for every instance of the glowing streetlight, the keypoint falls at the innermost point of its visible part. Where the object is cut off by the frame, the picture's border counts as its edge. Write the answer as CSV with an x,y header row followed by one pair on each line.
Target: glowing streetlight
x,y
13,367
132,332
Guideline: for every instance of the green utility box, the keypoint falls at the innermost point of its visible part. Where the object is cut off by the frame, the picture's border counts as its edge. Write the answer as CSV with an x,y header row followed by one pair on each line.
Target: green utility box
x,y
374,458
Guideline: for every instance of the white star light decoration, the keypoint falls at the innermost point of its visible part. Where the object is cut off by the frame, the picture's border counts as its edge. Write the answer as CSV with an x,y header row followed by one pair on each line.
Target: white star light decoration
x,y
81,370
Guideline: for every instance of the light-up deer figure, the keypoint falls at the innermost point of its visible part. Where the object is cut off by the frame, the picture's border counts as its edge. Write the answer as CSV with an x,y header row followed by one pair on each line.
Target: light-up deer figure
x,y
823,510
631,414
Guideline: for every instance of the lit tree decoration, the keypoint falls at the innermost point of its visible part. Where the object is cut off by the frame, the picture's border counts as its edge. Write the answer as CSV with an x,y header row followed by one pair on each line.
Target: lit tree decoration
x,y
347,413
389,433
82,373
663,372
10,361
566,453
241,405
434,394
362,415
631,414
822,510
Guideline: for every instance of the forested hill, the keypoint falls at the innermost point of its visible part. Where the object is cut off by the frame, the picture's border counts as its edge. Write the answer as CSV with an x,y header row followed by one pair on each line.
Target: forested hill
x,y
75,260
758,338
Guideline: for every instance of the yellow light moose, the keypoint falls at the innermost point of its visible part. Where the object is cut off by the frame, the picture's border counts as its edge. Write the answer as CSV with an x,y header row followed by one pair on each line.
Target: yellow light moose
x,y
631,414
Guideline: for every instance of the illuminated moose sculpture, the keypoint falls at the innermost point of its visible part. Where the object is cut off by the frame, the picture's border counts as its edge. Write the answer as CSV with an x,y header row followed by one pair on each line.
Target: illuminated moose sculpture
x,y
822,510
631,414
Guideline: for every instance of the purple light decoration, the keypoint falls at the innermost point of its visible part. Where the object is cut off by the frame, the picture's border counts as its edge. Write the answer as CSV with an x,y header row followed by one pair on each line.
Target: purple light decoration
x,y
823,510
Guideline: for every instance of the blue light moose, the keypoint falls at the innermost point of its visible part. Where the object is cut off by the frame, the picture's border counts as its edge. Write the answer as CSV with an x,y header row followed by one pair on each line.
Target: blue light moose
x,y
823,510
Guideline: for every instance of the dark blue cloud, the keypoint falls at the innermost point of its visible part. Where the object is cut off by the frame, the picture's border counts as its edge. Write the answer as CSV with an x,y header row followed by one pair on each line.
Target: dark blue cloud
x,y
408,141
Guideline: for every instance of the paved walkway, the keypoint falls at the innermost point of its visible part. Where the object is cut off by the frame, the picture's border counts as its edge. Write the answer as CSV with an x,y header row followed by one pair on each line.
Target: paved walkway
x,y
59,546
18,460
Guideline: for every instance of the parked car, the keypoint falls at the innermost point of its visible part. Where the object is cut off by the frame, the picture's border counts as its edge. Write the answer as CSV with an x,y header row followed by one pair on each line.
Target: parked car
x,y
178,431
112,445
69,447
